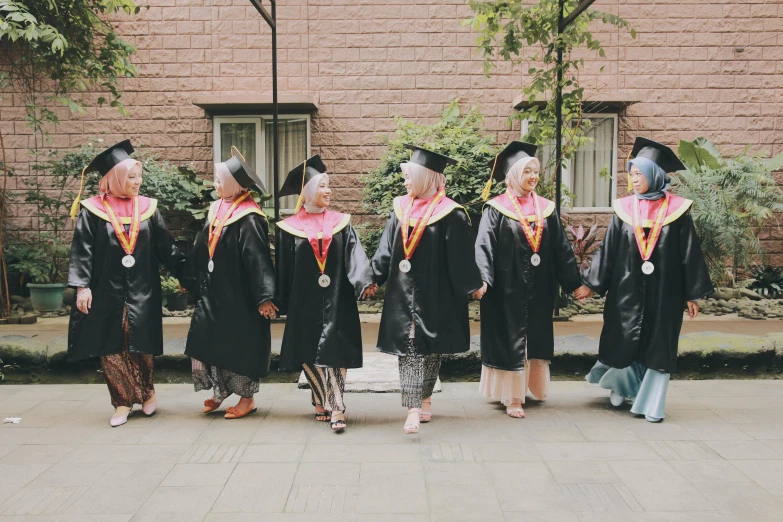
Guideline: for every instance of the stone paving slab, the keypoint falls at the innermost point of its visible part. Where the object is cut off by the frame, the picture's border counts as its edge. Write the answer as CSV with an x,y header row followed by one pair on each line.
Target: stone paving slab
x,y
718,457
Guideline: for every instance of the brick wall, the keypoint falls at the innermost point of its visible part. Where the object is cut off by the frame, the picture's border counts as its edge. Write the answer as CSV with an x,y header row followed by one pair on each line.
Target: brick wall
x,y
698,67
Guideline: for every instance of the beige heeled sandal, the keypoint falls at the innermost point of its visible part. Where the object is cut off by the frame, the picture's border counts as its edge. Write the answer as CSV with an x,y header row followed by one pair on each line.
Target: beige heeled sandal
x,y
412,427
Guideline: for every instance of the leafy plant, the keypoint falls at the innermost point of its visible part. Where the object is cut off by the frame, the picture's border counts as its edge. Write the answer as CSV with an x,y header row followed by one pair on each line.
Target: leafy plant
x,y
56,49
525,33
584,243
734,198
767,281
459,136
169,286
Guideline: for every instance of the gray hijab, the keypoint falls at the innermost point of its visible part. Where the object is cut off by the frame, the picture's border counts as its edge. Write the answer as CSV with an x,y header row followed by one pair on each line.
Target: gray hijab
x,y
657,180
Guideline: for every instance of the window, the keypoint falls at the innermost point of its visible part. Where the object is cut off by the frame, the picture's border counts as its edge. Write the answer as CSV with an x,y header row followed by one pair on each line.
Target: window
x,y
591,176
253,136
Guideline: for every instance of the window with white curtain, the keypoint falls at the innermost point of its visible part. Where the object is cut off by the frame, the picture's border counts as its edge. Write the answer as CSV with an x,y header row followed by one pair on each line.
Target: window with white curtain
x,y
253,136
591,176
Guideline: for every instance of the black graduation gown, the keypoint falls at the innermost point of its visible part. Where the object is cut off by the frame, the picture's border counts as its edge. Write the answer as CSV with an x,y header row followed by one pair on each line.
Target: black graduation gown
x,y
322,324
434,294
643,313
226,330
96,262
516,311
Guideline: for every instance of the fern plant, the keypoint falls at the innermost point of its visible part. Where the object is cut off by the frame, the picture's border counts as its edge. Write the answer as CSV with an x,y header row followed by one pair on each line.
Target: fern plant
x,y
734,198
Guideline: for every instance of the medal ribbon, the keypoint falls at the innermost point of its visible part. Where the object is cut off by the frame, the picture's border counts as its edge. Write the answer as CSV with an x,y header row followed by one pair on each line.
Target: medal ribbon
x,y
320,248
127,242
409,244
646,246
533,238
215,230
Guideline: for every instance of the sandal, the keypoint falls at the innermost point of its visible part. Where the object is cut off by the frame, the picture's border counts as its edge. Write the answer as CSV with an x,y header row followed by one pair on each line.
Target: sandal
x,y
322,416
211,405
515,413
412,427
338,425
426,416
235,413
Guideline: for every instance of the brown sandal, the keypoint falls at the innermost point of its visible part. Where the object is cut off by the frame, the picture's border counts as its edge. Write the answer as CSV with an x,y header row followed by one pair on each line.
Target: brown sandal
x,y
211,405
235,413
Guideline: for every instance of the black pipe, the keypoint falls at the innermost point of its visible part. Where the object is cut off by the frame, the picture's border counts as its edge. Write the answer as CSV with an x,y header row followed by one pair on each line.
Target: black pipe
x,y
276,145
559,130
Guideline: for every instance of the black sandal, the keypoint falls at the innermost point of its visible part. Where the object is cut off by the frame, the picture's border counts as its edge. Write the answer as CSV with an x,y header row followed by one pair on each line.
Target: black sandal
x,y
336,424
322,416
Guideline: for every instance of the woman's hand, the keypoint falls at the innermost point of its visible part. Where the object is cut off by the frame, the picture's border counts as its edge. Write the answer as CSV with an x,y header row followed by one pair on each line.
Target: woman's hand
x,y
478,294
268,309
693,309
84,300
370,291
583,292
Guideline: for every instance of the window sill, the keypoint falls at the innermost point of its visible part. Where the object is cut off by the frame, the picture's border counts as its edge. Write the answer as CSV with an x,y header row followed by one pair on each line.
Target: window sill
x,y
587,210
255,103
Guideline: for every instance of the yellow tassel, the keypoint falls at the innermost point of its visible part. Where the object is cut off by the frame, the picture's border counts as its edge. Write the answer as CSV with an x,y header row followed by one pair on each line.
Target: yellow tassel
x,y
630,179
485,193
300,201
75,205
234,149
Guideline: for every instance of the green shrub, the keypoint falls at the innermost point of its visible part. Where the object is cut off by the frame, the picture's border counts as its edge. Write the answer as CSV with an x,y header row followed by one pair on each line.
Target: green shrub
x,y
734,198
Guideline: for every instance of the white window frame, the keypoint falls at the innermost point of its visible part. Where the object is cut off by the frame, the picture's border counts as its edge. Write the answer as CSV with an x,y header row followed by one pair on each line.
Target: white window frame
x,y
566,166
259,120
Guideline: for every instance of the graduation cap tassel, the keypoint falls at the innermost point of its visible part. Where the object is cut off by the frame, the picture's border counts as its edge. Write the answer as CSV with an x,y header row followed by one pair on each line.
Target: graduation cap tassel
x,y
630,181
485,193
75,205
300,200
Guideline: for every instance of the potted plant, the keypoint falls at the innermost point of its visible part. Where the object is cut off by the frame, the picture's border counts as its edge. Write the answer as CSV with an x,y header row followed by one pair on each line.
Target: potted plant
x,y
176,300
41,259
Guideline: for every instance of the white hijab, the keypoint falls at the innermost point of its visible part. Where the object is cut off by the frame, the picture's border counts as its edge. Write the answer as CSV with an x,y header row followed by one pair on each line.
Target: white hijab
x,y
309,192
425,183
514,175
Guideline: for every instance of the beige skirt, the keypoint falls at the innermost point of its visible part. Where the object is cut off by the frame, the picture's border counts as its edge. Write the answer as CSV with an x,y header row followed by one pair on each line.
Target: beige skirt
x,y
510,387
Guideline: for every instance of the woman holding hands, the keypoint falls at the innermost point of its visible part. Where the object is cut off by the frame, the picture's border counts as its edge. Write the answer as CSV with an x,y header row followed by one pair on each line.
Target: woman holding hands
x,y
523,255
321,271
651,266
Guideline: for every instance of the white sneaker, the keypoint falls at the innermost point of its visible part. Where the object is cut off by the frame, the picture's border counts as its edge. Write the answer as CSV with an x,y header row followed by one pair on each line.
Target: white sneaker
x,y
616,399
652,419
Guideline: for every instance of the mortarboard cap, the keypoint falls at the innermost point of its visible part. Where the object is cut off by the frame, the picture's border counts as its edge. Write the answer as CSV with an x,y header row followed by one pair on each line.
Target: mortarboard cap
x,y
429,159
659,154
110,158
299,176
242,171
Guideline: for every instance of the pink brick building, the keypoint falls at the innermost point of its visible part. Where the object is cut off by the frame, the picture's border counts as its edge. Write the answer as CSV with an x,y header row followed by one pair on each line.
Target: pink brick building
x,y
709,68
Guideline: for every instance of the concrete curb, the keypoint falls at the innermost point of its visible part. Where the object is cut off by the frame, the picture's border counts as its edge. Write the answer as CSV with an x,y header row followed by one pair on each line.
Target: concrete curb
x,y
698,352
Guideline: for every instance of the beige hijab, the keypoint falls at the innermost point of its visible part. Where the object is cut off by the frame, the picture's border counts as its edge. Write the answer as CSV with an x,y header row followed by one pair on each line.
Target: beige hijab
x,y
231,187
113,183
425,183
514,175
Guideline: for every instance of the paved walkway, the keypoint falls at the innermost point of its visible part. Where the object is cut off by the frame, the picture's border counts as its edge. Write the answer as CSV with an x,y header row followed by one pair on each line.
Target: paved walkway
x,y
717,457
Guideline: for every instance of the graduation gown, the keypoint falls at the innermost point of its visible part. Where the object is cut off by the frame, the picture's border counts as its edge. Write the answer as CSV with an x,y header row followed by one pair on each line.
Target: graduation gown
x,y
96,263
643,313
516,311
226,330
434,294
322,324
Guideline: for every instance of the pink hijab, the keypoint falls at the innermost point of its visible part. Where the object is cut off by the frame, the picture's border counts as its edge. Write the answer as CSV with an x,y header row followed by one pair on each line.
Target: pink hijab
x,y
231,187
113,183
